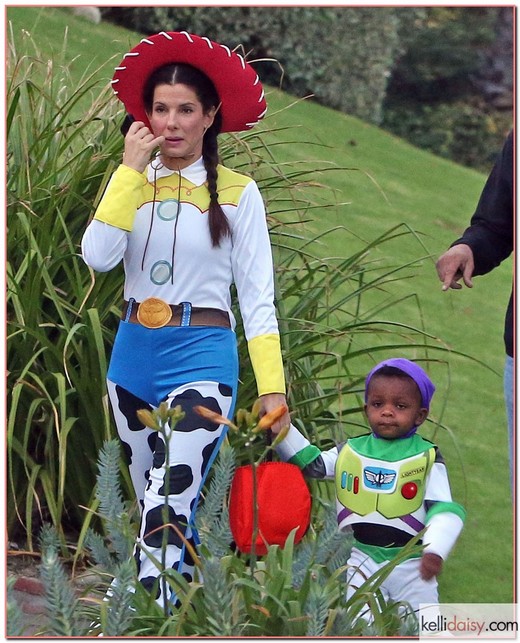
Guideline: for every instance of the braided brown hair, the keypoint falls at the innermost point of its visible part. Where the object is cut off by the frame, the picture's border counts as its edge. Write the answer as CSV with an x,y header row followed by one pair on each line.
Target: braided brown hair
x,y
207,94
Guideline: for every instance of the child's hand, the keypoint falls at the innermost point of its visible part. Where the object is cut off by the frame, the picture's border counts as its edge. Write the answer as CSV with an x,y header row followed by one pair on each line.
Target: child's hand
x,y
431,565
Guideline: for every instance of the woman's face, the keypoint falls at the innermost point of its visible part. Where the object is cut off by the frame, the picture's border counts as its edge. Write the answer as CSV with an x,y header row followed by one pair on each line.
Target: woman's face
x,y
178,115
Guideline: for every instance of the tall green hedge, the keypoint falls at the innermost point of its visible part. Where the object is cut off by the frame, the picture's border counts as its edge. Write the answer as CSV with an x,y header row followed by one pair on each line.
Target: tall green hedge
x,y
343,56
451,91
415,71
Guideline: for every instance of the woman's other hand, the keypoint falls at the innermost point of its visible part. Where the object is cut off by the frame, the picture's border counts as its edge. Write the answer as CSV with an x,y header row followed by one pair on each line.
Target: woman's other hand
x,y
140,144
270,402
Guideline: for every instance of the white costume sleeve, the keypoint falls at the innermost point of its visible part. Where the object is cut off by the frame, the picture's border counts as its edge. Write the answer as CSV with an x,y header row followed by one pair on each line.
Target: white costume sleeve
x,y
293,442
442,533
444,518
103,245
296,448
252,265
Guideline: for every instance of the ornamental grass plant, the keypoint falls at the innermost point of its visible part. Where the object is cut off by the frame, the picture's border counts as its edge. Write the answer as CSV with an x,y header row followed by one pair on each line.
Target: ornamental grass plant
x,y
63,144
60,142
292,591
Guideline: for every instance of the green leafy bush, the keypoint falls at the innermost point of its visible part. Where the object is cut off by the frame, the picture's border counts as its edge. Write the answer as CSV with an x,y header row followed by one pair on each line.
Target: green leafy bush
x,y
342,56
292,591
442,92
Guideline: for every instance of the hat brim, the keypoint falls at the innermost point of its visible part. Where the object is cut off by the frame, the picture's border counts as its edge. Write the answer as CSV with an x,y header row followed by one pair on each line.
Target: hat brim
x,y
240,91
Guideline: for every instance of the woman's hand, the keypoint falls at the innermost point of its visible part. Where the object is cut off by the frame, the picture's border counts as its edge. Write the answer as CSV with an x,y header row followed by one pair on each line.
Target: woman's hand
x,y
139,146
270,402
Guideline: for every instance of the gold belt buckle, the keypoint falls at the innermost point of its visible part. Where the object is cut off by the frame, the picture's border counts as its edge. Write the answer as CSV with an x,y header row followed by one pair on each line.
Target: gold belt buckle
x,y
154,313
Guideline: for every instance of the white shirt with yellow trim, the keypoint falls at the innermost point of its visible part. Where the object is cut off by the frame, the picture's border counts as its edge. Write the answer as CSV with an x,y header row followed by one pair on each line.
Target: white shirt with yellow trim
x,y
140,216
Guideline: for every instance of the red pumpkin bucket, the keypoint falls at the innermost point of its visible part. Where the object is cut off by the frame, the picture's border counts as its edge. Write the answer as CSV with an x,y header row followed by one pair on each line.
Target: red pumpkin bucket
x,y
283,500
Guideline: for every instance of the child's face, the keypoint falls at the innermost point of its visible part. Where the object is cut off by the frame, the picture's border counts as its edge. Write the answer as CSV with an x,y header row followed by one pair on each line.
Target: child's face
x,y
393,406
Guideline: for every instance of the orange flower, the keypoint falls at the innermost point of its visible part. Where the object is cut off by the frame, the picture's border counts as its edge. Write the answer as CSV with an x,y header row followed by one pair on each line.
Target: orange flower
x,y
214,417
147,418
262,609
267,421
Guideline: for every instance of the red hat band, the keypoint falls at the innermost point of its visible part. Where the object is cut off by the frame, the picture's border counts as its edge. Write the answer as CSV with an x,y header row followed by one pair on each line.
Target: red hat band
x,y
240,91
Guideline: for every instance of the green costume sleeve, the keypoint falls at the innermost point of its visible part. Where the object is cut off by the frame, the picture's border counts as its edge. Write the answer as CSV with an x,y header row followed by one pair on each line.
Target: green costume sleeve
x,y
446,507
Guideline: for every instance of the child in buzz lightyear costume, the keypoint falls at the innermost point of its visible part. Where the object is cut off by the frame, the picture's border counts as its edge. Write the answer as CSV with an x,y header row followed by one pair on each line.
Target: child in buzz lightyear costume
x,y
390,484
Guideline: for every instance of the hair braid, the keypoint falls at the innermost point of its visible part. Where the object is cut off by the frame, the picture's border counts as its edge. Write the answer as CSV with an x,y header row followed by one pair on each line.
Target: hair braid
x,y
218,222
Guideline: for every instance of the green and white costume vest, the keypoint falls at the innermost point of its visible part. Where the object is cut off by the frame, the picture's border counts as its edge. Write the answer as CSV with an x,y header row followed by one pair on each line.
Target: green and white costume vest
x,y
387,490
366,483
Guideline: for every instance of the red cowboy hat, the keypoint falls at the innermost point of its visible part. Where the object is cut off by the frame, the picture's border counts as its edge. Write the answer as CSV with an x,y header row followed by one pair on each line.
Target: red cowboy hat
x,y
236,82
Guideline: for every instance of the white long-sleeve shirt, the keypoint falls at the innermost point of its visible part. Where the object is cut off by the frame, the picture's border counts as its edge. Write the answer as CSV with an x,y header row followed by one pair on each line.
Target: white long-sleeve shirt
x,y
137,221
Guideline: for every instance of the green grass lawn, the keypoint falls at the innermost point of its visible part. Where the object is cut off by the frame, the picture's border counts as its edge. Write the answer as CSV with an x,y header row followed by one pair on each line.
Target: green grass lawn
x,y
380,181
436,198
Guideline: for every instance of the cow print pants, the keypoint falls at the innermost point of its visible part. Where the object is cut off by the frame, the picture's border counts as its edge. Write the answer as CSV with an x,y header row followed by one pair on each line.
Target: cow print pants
x,y
192,446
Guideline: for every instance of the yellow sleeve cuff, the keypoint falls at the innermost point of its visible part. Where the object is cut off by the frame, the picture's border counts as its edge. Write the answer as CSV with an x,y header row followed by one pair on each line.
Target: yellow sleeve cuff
x,y
122,197
266,357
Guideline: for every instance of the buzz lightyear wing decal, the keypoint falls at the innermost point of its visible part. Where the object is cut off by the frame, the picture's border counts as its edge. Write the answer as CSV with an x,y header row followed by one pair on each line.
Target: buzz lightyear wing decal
x,y
378,478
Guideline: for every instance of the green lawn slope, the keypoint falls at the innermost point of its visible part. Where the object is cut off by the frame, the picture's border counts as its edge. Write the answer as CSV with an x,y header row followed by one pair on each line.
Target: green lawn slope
x,y
380,181
394,183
